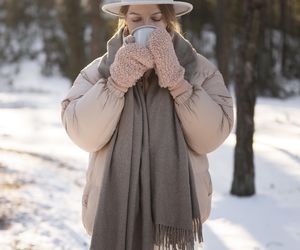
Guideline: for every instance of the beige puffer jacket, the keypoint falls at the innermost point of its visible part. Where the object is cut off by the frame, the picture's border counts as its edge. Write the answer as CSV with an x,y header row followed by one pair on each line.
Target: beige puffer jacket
x,y
91,110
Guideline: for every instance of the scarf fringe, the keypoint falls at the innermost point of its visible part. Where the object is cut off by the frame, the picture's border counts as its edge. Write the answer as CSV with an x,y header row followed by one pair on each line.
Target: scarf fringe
x,y
170,238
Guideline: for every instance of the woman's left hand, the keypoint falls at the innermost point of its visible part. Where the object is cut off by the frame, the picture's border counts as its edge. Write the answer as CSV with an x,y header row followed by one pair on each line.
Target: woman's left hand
x,y
167,66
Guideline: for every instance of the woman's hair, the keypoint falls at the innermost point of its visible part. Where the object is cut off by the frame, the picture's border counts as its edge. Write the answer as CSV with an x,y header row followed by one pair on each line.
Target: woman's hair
x,y
167,11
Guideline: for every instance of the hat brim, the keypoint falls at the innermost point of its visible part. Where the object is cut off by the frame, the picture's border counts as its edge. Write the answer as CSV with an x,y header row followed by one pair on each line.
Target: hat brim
x,y
181,8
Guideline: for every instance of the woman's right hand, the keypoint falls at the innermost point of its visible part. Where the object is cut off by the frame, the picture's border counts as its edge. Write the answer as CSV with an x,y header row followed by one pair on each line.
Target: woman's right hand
x,y
131,62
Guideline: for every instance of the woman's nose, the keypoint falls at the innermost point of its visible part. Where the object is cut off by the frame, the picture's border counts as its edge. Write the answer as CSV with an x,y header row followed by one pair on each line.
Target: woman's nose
x,y
149,22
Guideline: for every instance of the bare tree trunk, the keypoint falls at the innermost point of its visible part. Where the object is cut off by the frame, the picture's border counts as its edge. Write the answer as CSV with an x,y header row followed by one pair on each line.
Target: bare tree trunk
x,y
266,86
98,30
243,182
224,34
71,18
283,20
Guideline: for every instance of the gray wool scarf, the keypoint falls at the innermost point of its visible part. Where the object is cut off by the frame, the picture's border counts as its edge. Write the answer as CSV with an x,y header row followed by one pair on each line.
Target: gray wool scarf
x,y
148,192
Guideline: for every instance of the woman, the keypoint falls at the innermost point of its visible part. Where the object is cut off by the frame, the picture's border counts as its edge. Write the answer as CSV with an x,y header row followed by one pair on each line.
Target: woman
x,y
148,116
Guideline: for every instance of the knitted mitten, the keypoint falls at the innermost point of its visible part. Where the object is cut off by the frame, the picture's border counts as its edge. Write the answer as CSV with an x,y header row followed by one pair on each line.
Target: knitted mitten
x,y
167,66
130,63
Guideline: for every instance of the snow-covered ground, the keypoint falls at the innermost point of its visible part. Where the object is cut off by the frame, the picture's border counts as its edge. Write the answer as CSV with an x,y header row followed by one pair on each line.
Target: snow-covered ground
x,y
269,219
42,174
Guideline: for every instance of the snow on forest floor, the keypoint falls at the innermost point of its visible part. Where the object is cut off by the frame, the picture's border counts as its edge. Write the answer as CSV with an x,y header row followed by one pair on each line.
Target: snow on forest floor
x,y
42,174
269,219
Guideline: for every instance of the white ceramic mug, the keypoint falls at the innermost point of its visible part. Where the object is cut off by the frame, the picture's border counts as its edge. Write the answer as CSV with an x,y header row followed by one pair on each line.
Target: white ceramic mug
x,y
142,33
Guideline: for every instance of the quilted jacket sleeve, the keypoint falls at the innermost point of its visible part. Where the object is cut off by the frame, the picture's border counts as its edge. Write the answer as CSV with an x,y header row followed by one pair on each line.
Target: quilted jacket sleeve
x,y
206,110
91,109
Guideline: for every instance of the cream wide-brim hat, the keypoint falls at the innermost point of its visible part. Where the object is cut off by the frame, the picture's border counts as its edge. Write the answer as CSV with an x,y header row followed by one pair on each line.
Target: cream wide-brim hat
x,y
113,8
